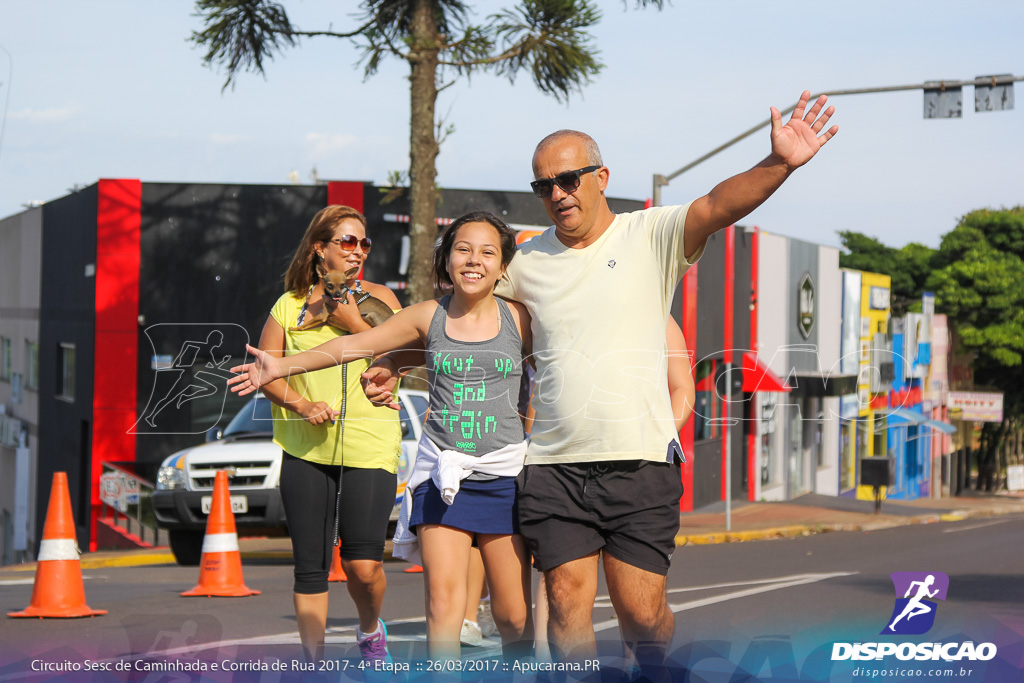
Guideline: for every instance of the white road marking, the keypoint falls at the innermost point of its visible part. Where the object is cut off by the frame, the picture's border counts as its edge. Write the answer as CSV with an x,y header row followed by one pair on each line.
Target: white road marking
x,y
346,635
762,586
343,635
974,526
29,582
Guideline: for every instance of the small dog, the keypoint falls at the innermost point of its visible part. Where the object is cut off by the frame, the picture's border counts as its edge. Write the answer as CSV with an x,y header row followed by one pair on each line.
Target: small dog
x,y
373,310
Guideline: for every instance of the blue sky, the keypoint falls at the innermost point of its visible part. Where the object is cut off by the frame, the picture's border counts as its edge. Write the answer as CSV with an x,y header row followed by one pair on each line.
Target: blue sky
x,y
113,89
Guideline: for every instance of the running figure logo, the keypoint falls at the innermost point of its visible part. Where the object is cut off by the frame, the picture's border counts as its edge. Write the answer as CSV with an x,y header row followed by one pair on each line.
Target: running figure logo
x,y
189,392
914,613
197,386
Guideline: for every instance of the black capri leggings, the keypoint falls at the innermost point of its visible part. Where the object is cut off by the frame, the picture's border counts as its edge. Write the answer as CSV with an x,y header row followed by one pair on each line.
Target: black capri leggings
x,y
308,491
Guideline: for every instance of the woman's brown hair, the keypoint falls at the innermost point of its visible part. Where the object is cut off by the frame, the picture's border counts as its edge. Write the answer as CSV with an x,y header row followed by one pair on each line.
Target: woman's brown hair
x,y
301,274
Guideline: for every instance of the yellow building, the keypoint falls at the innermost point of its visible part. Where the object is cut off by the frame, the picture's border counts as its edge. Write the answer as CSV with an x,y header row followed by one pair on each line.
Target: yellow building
x,y
876,369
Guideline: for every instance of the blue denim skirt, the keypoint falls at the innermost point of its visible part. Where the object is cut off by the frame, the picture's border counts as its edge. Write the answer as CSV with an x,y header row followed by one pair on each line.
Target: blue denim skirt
x,y
482,507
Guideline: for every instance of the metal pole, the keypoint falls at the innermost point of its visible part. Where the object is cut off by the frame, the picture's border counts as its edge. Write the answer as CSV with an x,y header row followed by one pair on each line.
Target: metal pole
x,y
728,448
661,180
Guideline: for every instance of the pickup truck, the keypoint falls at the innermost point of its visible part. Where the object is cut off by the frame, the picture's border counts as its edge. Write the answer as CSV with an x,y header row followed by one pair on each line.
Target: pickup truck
x,y
184,486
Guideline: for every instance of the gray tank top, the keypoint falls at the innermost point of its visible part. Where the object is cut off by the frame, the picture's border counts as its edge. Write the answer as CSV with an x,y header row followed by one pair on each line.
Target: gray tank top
x,y
474,387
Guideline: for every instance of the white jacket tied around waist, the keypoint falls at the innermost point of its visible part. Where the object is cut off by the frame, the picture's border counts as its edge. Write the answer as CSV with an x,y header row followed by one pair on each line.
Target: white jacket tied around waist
x,y
447,469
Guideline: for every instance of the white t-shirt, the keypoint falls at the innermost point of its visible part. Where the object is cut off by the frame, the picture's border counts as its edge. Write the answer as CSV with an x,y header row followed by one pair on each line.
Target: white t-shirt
x,y
599,316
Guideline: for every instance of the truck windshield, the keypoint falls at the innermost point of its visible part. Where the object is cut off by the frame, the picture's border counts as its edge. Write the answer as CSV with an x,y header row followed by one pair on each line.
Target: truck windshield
x,y
253,418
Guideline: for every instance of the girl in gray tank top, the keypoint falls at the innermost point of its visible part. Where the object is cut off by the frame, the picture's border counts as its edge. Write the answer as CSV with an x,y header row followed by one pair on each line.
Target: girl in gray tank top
x,y
463,486
474,386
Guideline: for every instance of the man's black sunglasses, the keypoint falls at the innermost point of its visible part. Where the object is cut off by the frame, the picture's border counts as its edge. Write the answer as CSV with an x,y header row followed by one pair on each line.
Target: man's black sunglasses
x,y
568,182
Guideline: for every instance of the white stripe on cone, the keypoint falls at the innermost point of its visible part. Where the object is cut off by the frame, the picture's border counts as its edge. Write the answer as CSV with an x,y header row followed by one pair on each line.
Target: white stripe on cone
x,y
58,549
220,543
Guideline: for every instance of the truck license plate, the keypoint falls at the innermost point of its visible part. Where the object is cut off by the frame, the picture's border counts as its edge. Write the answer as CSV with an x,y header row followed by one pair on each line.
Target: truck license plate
x,y
239,504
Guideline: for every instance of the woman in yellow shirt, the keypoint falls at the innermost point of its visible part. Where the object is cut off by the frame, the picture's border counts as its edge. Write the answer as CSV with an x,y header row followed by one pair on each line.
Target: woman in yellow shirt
x,y
331,434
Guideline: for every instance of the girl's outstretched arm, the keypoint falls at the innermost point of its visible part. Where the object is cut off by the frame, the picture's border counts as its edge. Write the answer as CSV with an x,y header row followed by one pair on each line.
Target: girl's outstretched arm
x,y
406,328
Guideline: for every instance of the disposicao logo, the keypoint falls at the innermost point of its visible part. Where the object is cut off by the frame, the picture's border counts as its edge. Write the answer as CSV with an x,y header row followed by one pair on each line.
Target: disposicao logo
x,y
914,614
916,593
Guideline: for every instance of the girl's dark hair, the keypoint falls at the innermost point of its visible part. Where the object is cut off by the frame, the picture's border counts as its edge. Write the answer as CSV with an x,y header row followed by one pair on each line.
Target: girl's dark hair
x,y
443,248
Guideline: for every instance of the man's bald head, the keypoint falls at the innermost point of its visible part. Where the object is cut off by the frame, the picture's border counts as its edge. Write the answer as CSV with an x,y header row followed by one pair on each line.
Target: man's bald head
x,y
590,148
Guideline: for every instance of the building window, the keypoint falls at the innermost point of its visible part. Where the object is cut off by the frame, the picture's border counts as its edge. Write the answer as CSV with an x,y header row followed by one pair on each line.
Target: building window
x,y
32,365
862,437
769,461
819,435
881,433
66,372
705,405
5,359
847,455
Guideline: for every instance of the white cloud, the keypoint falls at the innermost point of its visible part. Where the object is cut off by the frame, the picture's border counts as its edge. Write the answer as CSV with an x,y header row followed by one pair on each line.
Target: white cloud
x,y
46,115
227,138
321,145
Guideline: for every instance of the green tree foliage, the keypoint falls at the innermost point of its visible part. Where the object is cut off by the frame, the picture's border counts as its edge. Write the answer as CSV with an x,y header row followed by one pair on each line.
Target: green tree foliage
x,y
439,39
908,267
977,275
979,282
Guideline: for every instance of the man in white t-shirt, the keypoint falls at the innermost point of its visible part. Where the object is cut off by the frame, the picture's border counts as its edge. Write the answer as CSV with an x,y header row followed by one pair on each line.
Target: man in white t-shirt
x,y
601,482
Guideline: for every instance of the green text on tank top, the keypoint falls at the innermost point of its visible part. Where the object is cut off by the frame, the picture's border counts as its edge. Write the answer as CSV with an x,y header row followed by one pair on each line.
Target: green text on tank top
x,y
474,386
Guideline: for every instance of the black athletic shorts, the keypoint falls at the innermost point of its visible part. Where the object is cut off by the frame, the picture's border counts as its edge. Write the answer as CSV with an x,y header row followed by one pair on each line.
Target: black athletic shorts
x,y
630,509
309,493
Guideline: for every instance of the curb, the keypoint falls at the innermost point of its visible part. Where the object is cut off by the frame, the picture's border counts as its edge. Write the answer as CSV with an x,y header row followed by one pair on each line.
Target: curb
x,y
750,535
795,530
150,559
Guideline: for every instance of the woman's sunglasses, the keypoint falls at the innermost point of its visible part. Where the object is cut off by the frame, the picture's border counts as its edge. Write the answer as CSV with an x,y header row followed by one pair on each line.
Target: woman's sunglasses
x,y
568,182
349,242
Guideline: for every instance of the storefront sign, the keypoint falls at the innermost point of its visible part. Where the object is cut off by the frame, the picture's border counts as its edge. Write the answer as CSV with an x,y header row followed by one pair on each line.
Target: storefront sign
x,y
805,321
1015,477
975,406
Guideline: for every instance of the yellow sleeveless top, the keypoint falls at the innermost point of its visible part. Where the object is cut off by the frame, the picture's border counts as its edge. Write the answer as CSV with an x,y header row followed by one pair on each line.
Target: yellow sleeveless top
x,y
372,436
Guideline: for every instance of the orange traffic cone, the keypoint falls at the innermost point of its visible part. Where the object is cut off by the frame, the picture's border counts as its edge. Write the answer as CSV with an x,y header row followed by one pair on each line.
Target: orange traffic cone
x,y
337,572
415,569
220,570
58,590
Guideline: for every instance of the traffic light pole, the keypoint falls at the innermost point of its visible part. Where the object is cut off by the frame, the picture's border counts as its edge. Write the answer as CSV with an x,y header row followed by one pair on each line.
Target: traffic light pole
x,y
663,180
990,81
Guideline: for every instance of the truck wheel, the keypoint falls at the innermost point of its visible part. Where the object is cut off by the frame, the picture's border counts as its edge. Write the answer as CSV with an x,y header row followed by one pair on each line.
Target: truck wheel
x,y
187,546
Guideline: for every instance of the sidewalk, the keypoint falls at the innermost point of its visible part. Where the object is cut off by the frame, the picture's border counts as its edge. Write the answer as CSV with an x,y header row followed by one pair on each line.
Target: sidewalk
x,y
808,514
813,513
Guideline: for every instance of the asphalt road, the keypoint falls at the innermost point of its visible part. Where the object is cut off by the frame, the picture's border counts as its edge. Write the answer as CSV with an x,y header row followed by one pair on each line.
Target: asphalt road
x,y
772,609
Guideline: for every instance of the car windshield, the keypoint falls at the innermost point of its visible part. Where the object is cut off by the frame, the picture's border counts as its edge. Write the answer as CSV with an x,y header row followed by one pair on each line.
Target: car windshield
x,y
253,418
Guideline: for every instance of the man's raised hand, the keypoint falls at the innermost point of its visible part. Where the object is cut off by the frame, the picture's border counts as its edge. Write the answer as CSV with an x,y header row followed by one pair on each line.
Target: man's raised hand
x,y
800,138
251,376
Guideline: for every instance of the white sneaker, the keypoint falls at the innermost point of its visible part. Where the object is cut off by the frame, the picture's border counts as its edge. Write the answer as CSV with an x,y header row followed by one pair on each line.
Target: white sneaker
x,y
484,618
470,634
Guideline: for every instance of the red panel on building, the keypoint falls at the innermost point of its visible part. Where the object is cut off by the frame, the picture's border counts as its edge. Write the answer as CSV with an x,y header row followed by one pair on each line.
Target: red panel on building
x,y
346,193
727,340
689,318
118,227
754,414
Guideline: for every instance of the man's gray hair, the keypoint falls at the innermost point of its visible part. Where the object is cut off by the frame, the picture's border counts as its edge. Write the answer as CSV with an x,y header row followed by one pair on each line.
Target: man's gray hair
x,y
589,144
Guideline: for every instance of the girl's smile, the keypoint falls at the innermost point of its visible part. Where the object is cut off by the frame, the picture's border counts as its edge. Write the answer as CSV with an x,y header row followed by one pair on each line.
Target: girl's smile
x,y
474,263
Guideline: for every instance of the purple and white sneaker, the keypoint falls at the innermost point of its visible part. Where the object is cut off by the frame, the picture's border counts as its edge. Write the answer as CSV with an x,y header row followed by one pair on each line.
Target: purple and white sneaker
x,y
374,648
